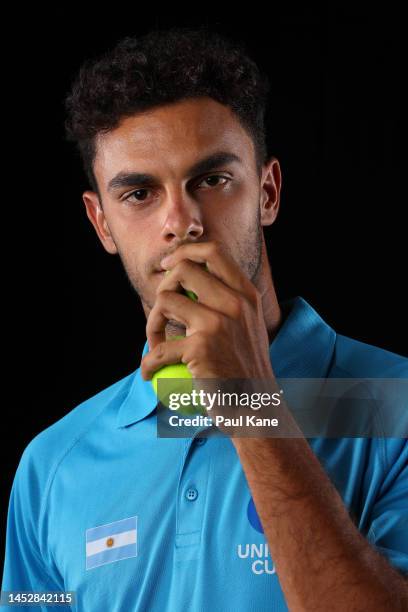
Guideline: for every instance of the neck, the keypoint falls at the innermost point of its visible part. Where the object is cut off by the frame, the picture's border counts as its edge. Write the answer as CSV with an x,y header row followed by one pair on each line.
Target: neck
x,y
270,305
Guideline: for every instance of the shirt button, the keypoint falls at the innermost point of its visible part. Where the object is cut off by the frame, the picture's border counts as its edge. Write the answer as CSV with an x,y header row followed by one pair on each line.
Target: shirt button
x,y
191,494
200,441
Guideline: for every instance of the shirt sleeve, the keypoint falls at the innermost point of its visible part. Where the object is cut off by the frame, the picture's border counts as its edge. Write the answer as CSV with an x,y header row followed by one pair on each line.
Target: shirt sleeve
x,y
388,530
25,568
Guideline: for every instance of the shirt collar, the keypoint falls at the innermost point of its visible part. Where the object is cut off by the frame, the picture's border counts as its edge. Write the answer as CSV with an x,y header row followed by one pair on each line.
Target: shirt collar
x,y
304,344
302,348
141,399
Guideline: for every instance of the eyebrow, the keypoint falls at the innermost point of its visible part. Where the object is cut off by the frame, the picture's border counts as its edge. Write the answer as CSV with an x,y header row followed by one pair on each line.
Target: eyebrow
x,y
207,164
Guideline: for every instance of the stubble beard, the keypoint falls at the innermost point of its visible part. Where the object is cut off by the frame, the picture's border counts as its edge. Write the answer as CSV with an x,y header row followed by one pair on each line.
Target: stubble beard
x,y
249,260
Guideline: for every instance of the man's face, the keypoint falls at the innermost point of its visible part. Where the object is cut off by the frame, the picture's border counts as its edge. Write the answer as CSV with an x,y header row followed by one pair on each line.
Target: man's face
x,y
143,219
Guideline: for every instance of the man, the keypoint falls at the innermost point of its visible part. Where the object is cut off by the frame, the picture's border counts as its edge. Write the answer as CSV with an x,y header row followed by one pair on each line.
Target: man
x,y
170,130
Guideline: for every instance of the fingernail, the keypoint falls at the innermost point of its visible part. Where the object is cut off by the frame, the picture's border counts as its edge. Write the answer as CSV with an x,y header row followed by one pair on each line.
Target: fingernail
x,y
166,261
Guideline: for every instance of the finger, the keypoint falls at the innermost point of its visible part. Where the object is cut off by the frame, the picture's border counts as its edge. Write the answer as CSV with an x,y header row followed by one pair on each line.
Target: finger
x,y
218,260
210,291
165,353
170,305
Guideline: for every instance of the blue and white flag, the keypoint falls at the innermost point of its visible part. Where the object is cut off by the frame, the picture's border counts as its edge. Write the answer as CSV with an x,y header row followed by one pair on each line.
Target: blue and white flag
x,y
111,542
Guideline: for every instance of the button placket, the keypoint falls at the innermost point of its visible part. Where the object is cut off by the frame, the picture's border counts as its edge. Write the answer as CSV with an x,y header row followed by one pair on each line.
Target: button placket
x,y
191,497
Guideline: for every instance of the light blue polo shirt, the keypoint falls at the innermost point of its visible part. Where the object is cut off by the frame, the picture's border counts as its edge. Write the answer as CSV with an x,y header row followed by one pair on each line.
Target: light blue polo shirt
x,y
132,522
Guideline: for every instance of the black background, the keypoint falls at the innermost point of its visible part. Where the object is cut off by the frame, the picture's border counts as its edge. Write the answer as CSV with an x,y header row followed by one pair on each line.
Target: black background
x,y
72,324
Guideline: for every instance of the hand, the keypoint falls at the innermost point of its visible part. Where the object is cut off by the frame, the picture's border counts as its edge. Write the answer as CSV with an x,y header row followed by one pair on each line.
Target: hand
x,y
226,335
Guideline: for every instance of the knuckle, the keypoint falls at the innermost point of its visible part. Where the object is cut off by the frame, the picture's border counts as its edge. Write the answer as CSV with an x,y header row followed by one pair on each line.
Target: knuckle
x,y
199,342
215,324
214,247
162,297
159,350
196,339
235,305
254,296
193,349
181,266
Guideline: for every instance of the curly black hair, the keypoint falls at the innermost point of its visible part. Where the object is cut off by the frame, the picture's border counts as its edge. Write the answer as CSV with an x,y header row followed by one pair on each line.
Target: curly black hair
x,y
159,67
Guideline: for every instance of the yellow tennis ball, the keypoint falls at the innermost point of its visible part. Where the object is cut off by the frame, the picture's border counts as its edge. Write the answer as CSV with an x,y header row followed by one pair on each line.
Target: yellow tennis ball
x,y
174,371
175,379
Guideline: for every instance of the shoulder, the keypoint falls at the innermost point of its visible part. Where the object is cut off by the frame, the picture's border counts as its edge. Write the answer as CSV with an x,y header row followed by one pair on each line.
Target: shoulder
x,y
359,359
355,359
42,455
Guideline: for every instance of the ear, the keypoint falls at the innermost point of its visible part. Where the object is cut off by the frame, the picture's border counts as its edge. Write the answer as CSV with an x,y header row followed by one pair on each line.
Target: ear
x,y
270,191
96,216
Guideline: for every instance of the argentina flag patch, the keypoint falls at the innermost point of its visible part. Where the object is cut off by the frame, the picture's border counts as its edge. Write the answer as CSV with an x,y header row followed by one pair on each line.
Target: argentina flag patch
x,y
111,542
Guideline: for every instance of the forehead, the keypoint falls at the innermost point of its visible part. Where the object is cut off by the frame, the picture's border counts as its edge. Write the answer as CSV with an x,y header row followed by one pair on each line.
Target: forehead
x,y
171,136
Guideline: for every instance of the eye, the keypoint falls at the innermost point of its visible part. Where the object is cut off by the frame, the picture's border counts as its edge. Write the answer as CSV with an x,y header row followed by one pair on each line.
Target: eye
x,y
142,190
215,176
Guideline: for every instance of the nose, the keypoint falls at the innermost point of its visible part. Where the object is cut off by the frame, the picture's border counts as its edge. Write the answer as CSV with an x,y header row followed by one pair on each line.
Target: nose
x,y
183,219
